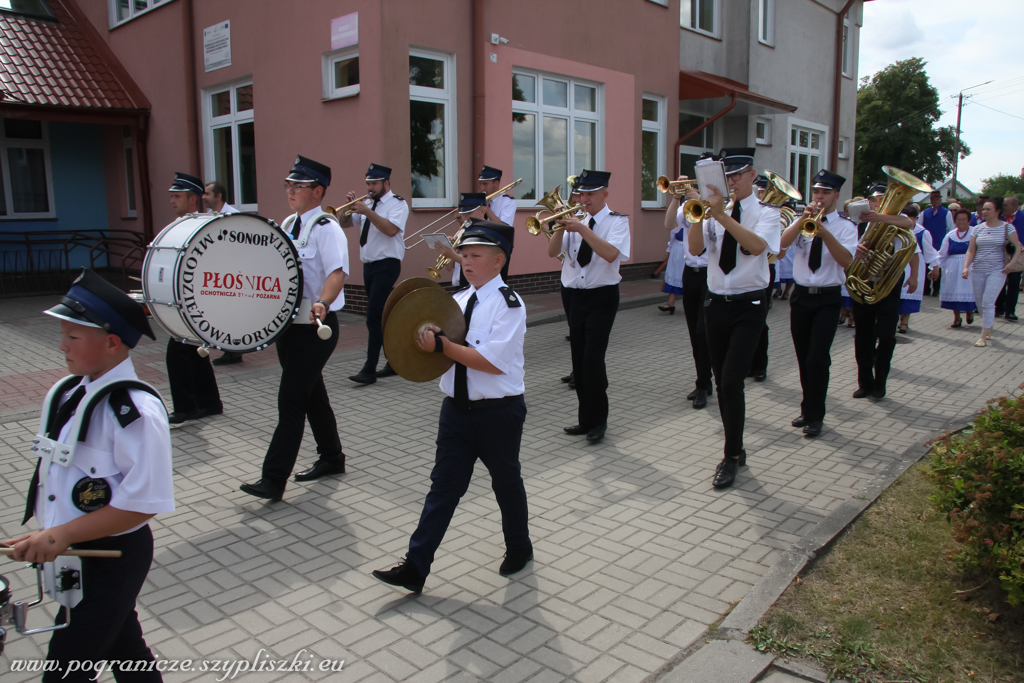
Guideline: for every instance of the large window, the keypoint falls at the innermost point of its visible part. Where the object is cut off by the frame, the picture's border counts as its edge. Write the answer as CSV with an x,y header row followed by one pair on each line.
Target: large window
x,y
27,187
693,147
556,132
806,148
230,141
700,15
766,21
123,10
129,169
432,131
652,149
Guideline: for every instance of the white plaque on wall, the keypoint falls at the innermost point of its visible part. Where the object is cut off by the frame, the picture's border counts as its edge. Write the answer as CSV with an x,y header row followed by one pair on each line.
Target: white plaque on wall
x,y
217,46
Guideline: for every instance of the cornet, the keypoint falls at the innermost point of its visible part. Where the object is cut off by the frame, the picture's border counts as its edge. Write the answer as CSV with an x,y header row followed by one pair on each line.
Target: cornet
x,y
809,226
336,211
676,187
694,210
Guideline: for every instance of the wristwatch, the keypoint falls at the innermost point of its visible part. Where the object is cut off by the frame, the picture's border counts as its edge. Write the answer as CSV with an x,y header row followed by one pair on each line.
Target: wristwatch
x,y
326,305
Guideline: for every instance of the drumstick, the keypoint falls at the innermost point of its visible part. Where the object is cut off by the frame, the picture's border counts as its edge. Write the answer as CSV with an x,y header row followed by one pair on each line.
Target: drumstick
x,y
8,552
323,331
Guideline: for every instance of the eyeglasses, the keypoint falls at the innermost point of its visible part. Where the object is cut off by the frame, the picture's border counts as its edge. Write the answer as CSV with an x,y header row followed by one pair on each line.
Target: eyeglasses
x,y
295,188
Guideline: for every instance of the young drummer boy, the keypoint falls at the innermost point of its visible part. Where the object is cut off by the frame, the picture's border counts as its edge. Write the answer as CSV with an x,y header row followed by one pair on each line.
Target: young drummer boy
x,y
118,478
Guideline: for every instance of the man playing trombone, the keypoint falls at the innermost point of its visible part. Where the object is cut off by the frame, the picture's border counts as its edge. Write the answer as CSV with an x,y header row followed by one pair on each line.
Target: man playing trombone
x,y
381,249
501,209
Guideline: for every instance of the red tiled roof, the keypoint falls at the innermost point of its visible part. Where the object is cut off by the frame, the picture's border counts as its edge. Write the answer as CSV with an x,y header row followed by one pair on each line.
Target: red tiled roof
x,y
61,64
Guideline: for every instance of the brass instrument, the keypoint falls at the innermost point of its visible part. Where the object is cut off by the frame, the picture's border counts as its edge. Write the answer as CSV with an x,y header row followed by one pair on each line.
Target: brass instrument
x,y
778,192
694,210
869,281
489,197
442,260
555,206
336,211
676,187
809,226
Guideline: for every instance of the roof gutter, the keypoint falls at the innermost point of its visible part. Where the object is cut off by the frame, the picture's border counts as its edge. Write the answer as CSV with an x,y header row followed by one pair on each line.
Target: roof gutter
x,y
479,86
191,85
679,143
837,87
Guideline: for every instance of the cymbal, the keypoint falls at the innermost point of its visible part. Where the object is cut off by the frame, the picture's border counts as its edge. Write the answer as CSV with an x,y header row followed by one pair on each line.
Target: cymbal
x,y
426,306
401,290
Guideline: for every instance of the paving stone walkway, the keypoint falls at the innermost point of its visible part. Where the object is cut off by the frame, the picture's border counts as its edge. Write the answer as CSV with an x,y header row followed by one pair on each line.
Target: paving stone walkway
x,y
636,553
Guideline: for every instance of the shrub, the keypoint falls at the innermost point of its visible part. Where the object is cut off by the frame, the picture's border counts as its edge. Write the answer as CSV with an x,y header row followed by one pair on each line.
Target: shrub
x,y
981,489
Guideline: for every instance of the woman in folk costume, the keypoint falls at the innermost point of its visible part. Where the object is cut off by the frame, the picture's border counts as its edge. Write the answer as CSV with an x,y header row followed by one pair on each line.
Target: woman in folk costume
x,y
910,302
956,294
674,270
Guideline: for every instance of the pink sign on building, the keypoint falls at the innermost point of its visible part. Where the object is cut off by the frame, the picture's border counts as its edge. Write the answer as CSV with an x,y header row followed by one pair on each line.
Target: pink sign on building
x,y
345,31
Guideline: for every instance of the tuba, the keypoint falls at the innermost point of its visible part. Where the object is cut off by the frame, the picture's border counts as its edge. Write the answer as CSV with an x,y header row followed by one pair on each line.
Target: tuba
x,y
869,281
778,192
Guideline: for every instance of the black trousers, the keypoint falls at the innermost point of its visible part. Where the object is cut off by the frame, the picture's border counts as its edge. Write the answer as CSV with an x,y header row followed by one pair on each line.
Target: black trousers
x,y
876,323
379,278
734,330
303,395
760,360
590,326
695,290
105,625
1007,299
932,287
812,321
193,384
493,435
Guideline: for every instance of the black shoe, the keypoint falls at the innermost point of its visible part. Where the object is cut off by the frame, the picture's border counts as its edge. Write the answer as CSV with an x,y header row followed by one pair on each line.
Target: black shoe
x,y
692,395
364,377
387,371
206,412
264,489
800,421
403,575
229,358
861,393
514,561
572,384
725,473
321,468
568,338
1011,317
700,400
813,428
576,430
177,417
878,393
567,378
596,434
760,375
671,310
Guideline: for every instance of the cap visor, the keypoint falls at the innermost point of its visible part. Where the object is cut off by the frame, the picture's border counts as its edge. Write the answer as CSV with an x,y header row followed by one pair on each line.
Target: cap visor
x,y
300,178
64,313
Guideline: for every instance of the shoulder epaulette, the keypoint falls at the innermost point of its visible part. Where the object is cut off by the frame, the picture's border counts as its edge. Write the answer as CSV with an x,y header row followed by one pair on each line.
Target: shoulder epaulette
x,y
123,406
512,300
324,220
509,196
616,213
401,199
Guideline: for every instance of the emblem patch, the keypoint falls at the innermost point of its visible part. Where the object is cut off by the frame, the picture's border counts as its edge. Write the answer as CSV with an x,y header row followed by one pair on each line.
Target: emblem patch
x,y
89,495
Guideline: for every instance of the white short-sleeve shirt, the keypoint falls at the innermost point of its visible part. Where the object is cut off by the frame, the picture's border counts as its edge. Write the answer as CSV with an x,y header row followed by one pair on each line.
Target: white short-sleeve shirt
x,y
378,245
750,272
830,273
699,261
504,209
325,252
612,228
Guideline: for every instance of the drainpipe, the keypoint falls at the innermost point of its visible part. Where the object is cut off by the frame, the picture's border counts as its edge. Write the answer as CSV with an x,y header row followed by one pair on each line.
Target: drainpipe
x,y
479,111
680,141
191,120
142,147
837,86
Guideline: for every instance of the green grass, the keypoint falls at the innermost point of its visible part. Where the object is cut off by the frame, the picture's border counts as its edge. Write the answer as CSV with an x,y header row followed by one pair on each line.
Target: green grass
x,y
883,604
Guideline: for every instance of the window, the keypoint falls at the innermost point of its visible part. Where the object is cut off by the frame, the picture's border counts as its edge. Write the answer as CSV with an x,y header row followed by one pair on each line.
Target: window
x,y
125,10
844,147
36,9
129,169
556,129
766,21
763,131
699,15
27,187
230,142
341,73
693,147
847,49
432,132
806,147
652,149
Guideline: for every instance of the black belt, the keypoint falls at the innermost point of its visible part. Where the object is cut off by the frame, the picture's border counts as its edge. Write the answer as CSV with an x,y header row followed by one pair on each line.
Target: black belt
x,y
831,289
755,295
696,269
489,403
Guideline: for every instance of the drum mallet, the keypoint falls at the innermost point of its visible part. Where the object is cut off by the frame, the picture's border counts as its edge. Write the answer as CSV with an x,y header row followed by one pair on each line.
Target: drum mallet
x,y
323,331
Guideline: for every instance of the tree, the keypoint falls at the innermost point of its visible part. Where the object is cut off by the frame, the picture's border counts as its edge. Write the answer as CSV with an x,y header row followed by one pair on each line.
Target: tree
x,y
897,110
1003,186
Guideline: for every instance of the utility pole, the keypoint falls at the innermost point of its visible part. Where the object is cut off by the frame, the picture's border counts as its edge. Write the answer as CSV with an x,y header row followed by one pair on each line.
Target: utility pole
x,y
956,148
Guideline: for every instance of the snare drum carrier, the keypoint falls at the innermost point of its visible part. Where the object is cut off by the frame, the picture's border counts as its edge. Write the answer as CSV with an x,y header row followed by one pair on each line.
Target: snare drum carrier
x,y
227,281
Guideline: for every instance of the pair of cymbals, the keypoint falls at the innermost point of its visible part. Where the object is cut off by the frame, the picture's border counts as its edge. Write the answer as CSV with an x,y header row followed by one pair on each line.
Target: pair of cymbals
x,y
413,305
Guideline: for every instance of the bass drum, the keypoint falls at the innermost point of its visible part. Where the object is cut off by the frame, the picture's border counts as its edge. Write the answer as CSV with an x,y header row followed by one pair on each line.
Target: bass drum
x,y
227,281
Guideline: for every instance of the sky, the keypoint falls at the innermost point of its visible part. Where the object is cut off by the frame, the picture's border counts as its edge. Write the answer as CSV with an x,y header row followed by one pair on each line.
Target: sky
x,y
961,44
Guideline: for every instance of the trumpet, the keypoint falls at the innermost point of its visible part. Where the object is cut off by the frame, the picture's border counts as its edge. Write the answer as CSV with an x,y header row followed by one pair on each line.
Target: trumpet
x,y
489,197
809,226
694,210
336,211
442,260
676,187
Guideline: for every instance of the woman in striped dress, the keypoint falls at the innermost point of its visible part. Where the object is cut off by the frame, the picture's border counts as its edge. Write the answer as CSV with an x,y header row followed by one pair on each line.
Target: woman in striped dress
x,y
985,256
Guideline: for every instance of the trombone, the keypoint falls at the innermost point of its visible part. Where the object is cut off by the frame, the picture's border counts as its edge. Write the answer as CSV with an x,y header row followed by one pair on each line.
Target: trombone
x,y
676,187
442,260
489,197
336,210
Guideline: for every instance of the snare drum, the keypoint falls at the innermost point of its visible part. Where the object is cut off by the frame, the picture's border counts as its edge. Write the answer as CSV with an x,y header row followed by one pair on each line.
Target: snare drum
x,y
232,282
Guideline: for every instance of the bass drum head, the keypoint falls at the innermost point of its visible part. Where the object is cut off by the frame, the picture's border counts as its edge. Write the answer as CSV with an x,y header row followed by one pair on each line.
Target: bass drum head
x,y
239,282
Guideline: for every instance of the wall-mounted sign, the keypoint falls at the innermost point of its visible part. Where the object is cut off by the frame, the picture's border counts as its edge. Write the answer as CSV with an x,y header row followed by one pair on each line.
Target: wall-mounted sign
x,y
345,31
217,46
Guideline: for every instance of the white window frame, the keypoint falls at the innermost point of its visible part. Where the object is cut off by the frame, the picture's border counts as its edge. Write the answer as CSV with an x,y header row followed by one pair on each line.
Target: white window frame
x,y
716,17
659,128
822,151
663,3
210,123
44,145
571,115
130,186
765,139
844,147
132,12
847,48
446,96
328,61
766,15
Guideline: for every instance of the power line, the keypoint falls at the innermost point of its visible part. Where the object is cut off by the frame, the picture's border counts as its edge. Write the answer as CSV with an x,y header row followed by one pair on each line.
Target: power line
x,y
997,110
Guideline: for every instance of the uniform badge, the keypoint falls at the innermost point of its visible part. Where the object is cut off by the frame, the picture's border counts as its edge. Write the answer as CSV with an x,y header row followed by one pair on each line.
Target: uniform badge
x,y
511,300
745,252
89,495
124,410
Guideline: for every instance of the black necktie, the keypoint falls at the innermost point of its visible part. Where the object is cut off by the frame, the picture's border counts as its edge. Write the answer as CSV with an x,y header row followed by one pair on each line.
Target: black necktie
x,y
296,227
814,261
60,419
727,258
366,225
586,251
461,385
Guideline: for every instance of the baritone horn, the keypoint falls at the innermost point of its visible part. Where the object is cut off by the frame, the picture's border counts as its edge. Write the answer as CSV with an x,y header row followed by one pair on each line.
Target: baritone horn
x,y
869,281
778,192
676,187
